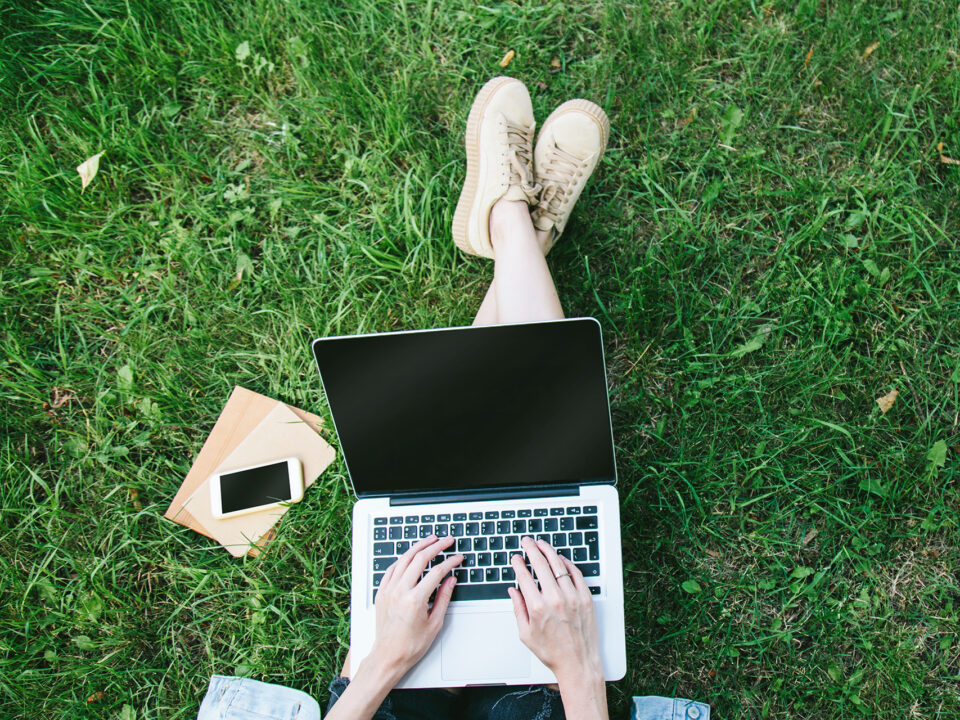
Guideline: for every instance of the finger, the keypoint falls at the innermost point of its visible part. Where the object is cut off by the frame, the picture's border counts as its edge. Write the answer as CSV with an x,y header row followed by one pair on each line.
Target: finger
x,y
519,609
407,557
385,580
524,579
548,584
433,578
577,577
556,565
441,601
411,576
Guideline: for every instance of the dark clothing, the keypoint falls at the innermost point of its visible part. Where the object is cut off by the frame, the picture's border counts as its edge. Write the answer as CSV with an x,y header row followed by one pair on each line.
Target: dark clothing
x,y
534,702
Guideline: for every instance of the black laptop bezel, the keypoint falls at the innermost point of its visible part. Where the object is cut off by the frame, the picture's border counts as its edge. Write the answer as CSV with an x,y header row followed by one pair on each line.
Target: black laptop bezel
x,y
480,492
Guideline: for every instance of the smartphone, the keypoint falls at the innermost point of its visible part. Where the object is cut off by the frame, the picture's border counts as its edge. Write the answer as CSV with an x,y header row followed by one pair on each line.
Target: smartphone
x,y
256,488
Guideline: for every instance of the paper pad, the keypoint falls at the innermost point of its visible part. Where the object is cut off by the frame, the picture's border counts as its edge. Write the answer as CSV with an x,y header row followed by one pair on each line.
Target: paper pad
x,y
251,430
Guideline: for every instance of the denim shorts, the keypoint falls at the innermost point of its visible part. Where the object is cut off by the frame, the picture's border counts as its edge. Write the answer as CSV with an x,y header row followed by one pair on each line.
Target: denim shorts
x,y
233,698
653,707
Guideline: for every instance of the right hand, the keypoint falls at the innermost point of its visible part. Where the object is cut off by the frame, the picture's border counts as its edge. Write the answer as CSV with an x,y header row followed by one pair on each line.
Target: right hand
x,y
556,622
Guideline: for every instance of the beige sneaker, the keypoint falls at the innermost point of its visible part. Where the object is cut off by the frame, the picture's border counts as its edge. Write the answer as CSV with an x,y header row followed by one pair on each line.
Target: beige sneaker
x,y
499,143
568,149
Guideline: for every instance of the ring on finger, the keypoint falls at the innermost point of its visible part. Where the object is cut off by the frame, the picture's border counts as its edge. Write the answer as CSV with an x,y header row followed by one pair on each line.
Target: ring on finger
x,y
563,574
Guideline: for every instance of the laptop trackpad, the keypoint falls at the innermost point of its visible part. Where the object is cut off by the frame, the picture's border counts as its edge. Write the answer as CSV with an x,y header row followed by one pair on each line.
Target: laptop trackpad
x,y
477,647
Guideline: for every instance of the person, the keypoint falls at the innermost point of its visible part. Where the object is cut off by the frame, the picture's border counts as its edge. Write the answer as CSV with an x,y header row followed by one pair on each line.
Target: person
x,y
515,203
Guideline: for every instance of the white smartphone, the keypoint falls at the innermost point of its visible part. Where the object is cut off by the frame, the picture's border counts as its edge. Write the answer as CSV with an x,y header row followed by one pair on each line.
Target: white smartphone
x,y
256,488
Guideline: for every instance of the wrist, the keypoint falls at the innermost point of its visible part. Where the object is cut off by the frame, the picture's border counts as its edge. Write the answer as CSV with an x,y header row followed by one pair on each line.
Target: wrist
x,y
583,692
380,667
580,674
373,679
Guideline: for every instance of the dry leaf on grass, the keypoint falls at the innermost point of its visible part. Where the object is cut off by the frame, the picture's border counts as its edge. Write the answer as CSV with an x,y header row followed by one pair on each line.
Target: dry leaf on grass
x,y
88,170
555,63
869,51
59,400
96,697
507,59
811,534
886,402
944,159
806,60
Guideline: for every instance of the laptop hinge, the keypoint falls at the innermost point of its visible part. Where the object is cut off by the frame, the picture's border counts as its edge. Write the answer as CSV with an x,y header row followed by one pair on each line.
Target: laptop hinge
x,y
484,495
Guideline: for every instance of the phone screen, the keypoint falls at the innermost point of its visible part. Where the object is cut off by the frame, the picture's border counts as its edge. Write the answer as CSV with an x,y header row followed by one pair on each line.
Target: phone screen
x,y
258,486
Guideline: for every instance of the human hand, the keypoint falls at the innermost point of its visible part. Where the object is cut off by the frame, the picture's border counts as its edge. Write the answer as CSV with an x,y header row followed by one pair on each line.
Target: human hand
x,y
406,626
557,621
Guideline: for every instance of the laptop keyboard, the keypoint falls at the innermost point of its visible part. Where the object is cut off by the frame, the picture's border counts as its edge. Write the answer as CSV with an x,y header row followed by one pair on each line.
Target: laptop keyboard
x,y
487,540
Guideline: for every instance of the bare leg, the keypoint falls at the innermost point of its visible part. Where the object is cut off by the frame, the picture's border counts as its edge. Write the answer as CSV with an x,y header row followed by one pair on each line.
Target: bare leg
x,y
522,288
487,314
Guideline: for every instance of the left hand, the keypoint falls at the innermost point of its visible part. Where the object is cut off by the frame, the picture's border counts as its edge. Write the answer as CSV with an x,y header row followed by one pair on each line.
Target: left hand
x,y
556,621
406,625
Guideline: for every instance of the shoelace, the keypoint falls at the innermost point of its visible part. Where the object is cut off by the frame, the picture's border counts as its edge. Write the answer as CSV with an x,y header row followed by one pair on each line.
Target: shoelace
x,y
520,157
559,175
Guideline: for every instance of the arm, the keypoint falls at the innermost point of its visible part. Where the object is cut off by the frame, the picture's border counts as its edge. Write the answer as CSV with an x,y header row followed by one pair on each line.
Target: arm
x,y
558,624
367,689
584,696
406,626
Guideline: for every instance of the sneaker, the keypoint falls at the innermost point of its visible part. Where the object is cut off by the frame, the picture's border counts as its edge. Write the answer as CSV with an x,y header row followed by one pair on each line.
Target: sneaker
x,y
568,149
499,143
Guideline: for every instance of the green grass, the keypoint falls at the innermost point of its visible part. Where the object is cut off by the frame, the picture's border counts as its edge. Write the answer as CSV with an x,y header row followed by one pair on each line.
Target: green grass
x,y
770,244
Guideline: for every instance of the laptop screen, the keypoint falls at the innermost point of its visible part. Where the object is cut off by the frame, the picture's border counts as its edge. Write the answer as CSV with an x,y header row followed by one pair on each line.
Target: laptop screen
x,y
470,408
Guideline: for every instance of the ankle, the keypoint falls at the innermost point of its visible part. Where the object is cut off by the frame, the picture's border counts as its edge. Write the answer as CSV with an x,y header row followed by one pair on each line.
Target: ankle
x,y
508,216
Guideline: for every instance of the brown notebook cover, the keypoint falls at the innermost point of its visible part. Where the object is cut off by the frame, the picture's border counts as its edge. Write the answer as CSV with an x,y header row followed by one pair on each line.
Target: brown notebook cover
x,y
281,434
244,410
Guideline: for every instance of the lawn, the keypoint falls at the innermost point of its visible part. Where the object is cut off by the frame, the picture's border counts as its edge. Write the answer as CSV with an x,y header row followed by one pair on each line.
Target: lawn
x,y
770,244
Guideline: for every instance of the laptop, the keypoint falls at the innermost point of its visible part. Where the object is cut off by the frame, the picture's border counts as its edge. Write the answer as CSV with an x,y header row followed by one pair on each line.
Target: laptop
x,y
486,433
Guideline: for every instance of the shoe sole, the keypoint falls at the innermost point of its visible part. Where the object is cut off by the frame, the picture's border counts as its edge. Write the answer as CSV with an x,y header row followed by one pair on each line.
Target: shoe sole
x,y
468,196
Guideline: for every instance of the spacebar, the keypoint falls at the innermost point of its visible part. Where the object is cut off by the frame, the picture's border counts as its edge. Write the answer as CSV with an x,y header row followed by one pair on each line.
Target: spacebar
x,y
493,591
